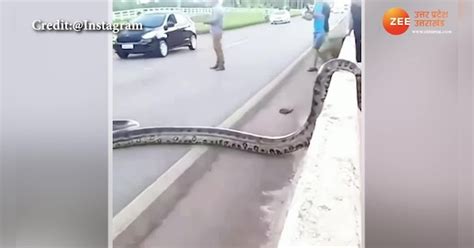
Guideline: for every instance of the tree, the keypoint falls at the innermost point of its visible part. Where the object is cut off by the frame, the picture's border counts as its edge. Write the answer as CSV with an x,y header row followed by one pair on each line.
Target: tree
x,y
231,3
124,5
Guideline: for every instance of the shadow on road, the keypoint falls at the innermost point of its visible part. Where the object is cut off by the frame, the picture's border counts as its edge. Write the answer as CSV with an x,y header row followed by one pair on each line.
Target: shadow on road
x,y
150,56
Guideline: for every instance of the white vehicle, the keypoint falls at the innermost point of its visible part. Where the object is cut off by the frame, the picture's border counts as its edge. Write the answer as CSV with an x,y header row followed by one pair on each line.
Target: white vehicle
x,y
280,16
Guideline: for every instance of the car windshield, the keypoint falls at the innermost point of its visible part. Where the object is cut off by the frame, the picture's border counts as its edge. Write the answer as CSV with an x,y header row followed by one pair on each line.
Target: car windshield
x,y
150,20
279,12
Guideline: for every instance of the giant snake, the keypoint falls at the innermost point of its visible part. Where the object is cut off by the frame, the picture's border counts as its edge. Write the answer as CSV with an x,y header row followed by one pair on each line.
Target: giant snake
x,y
127,133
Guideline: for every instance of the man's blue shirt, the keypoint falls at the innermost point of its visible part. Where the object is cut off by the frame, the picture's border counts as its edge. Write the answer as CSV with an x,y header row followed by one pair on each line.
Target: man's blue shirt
x,y
319,21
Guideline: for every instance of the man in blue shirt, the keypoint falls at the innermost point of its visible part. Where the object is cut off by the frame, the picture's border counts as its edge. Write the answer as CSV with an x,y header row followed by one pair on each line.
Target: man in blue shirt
x,y
321,12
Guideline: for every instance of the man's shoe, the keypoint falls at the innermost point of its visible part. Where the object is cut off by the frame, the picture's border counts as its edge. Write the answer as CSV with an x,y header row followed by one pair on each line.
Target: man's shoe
x,y
213,67
220,68
313,69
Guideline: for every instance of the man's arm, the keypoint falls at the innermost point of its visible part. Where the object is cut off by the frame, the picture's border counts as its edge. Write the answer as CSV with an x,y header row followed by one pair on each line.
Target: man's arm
x,y
317,14
216,15
326,10
210,21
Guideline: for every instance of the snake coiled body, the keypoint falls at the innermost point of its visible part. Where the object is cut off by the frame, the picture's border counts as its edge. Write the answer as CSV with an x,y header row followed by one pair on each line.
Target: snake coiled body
x,y
128,133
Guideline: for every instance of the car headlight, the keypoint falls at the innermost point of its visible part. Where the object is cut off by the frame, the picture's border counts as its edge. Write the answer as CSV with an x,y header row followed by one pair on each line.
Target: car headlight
x,y
146,41
149,35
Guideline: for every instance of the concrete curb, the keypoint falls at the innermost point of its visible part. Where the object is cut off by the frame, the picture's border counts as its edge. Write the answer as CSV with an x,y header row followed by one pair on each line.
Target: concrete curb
x,y
127,216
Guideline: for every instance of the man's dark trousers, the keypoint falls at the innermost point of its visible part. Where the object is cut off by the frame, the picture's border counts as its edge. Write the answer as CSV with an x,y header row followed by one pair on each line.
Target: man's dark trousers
x,y
356,13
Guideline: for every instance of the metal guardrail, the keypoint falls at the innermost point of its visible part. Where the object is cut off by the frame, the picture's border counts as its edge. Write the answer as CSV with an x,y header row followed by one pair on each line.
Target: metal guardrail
x,y
131,13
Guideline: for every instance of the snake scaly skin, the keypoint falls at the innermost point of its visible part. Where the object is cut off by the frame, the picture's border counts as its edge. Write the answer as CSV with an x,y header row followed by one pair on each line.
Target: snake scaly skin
x,y
127,133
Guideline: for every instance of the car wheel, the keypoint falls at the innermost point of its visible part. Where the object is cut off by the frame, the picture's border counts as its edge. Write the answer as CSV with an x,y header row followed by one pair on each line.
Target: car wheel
x,y
193,42
122,55
162,48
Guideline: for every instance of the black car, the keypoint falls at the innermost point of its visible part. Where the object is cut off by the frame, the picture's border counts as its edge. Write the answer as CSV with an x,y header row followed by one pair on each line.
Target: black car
x,y
161,32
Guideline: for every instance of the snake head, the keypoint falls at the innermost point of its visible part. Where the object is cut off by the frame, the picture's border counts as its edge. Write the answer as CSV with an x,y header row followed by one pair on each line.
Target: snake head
x,y
124,124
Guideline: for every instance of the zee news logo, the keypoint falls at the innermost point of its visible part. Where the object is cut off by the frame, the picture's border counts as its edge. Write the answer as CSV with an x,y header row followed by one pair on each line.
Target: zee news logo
x,y
396,21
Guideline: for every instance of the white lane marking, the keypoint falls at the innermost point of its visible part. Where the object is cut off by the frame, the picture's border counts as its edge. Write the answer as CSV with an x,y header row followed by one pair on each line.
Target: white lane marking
x,y
131,212
236,43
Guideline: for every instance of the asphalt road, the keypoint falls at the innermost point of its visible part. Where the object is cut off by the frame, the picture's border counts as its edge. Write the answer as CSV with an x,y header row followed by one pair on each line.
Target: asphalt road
x,y
181,90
